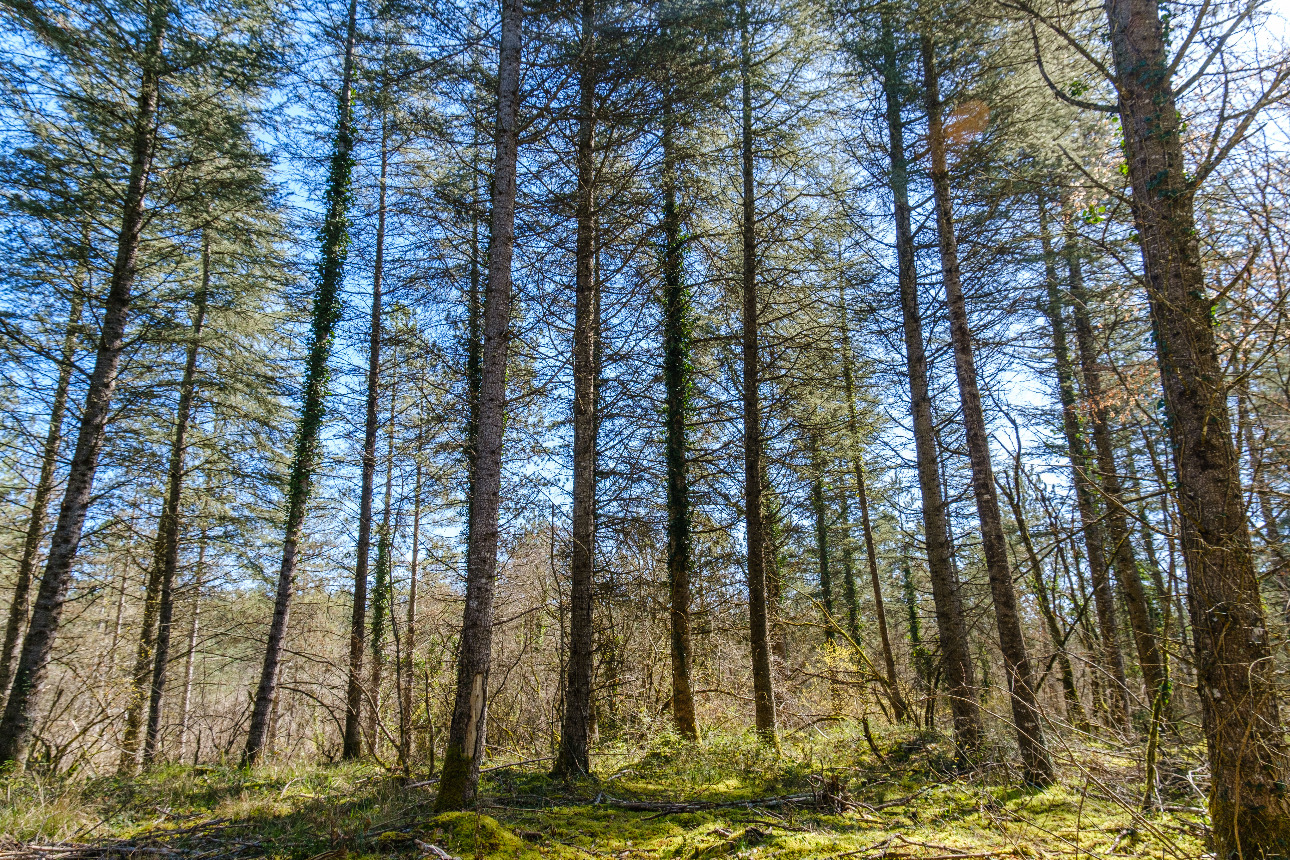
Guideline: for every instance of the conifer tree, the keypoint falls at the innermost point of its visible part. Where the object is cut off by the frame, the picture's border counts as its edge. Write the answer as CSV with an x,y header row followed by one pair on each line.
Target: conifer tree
x,y
470,707
334,238
1037,765
960,673
40,497
758,614
171,100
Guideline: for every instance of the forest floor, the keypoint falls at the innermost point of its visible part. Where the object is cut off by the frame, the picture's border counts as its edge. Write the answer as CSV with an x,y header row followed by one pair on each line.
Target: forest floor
x,y
825,794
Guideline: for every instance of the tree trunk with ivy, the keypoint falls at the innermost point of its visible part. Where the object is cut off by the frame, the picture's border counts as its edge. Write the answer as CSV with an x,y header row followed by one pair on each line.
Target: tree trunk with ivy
x,y
758,615
334,238
352,743
1248,760
677,322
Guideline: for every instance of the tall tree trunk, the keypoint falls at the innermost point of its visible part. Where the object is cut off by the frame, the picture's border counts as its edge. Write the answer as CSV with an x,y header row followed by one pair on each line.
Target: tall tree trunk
x,y
922,660
117,626
194,624
676,379
410,637
474,334
960,676
1036,764
352,746
758,620
1085,497
326,313
142,671
826,572
460,775
40,496
770,553
382,605
1150,655
33,662
849,596
821,535
573,758
1248,803
167,550
899,707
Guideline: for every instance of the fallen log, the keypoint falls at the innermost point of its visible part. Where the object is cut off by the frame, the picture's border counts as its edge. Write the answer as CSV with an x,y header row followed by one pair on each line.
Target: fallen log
x,y
672,808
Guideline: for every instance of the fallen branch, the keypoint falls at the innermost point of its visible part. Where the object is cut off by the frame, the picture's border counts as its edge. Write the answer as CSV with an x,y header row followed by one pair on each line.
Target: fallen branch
x,y
769,823
900,801
432,780
665,808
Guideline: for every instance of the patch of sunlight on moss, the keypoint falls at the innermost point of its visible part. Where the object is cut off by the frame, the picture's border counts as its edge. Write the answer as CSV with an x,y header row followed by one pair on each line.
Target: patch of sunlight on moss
x,y
472,834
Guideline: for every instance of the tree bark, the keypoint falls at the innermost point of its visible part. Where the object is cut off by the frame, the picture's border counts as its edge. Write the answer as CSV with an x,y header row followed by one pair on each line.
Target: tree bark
x,y
849,596
460,775
1085,497
352,746
1243,731
194,625
382,592
410,637
960,675
899,707
1150,655
326,313
40,498
758,620
474,335
117,625
573,758
167,550
1037,766
922,660
676,379
821,536
142,671
773,572
25,697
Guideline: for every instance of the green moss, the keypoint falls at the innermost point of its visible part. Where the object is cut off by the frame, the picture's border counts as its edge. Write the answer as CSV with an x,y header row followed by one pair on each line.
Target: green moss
x,y
452,782
471,834
299,812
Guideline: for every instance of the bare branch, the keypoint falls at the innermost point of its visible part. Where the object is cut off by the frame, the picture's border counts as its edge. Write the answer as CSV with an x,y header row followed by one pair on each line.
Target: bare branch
x,y
1275,91
1057,91
1218,48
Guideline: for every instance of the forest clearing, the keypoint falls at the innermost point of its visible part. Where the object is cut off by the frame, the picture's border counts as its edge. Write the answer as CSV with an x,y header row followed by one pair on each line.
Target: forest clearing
x,y
644,428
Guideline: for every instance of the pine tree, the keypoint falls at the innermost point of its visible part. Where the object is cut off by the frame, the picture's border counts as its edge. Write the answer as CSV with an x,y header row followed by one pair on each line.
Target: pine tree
x,y
334,238
470,711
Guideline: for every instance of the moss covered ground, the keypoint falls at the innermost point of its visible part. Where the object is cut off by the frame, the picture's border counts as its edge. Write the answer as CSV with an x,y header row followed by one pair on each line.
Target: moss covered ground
x,y
727,796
